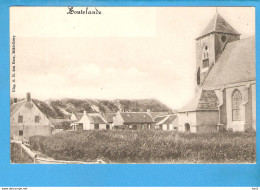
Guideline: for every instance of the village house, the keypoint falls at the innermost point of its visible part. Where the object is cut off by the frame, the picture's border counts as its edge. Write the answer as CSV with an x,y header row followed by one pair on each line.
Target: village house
x,y
225,94
109,119
26,120
167,122
74,118
90,121
133,120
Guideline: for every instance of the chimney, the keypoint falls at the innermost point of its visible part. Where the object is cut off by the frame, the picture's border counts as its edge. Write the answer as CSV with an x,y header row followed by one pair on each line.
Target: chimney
x,y
84,113
15,100
28,96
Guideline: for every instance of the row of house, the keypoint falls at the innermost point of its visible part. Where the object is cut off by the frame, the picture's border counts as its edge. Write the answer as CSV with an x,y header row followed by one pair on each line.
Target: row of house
x,y
28,119
124,120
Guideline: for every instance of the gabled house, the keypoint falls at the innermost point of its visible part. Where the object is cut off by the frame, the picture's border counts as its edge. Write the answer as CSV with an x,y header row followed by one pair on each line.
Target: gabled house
x,y
92,121
133,120
168,122
109,119
27,119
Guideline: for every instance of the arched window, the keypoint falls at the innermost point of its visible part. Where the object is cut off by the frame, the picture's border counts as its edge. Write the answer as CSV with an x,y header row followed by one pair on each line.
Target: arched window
x,y
236,103
198,76
205,56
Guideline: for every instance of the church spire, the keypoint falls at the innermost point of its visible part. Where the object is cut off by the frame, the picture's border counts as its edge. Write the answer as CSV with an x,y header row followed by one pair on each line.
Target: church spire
x,y
219,25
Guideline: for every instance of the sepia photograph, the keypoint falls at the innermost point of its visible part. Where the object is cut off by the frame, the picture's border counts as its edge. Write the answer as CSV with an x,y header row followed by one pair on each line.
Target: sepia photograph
x,y
132,85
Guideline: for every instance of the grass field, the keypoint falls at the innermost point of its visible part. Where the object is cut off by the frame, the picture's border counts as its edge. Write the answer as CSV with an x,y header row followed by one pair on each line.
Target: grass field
x,y
148,146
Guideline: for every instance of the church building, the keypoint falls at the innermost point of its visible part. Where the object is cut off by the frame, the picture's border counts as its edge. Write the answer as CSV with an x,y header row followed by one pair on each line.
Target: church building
x,y
225,94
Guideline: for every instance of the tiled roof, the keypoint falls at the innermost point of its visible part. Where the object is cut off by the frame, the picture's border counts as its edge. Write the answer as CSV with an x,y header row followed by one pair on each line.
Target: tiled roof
x,y
159,118
167,120
236,64
15,107
109,117
57,121
218,24
136,117
203,100
96,118
156,114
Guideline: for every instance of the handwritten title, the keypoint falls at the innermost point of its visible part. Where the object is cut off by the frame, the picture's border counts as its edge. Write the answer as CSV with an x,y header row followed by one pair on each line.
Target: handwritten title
x,y
86,11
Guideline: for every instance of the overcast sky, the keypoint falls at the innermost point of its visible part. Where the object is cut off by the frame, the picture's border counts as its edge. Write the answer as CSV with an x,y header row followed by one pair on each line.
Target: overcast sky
x,y
122,53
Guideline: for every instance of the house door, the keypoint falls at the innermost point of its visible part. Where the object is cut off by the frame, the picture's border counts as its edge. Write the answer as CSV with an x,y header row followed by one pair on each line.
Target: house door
x,y
187,127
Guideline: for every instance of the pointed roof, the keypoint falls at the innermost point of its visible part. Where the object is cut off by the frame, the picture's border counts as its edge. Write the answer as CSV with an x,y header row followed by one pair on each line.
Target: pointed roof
x,y
97,118
109,117
203,100
218,24
16,106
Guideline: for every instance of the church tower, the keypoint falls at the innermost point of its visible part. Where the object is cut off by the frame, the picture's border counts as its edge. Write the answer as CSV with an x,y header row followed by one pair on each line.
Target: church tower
x,y
210,44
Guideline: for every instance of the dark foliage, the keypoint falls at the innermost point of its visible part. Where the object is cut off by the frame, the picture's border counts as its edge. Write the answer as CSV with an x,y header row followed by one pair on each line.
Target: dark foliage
x,y
17,156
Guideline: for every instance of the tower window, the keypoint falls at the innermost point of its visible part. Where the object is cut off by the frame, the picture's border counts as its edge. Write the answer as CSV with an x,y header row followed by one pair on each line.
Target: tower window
x,y
223,39
236,103
205,63
205,52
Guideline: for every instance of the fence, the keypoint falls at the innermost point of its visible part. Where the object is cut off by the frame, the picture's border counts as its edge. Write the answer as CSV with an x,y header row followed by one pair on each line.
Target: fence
x,y
40,160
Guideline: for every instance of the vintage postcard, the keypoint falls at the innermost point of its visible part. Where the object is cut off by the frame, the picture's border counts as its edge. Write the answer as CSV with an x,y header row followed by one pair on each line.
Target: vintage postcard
x,y
124,85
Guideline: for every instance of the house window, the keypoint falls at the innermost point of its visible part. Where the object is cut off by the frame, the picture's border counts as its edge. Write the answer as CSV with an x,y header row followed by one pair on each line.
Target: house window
x,y
37,119
236,103
107,126
134,127
96,126
20,119
205,63
20,132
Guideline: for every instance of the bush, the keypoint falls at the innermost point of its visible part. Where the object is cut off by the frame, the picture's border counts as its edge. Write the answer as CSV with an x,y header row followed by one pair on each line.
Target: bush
x,y
149,146
17,156
36,143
